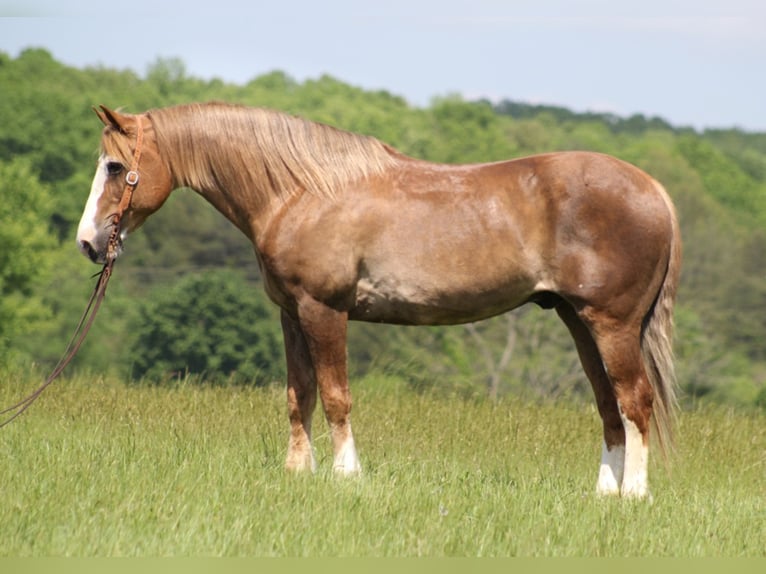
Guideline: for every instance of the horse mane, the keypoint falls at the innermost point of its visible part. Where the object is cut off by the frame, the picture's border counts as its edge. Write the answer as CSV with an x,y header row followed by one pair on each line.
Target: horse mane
x,y
241,149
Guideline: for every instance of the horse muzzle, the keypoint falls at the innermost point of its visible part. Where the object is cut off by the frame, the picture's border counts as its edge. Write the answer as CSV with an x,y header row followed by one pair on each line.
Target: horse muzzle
x,y
87,249
100,254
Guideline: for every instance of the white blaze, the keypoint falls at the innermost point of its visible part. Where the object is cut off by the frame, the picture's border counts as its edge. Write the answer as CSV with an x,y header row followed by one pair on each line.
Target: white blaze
x,y
88,229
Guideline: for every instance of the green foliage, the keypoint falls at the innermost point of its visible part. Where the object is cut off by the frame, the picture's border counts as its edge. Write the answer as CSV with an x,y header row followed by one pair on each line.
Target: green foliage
x,y
167,75
637,124
467,133
724,179
25,249
25,206
49,134
213,324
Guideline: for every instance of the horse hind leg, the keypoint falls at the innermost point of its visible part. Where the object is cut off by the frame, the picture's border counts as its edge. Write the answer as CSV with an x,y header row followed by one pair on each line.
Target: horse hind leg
x,y
635,399
620,350
611,470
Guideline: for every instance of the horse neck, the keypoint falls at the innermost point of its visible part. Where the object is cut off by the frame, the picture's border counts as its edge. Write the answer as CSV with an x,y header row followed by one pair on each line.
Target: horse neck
x,y
247,161
210,162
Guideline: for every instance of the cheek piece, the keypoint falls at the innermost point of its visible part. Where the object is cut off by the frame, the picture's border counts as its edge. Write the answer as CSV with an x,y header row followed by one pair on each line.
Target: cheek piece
x,y
131,182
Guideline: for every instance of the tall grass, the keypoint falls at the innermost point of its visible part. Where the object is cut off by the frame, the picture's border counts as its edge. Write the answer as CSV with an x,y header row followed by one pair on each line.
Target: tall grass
x,y
99,468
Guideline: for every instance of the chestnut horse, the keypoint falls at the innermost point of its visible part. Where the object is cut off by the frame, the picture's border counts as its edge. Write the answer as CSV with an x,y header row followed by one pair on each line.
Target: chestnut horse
x,y
346,228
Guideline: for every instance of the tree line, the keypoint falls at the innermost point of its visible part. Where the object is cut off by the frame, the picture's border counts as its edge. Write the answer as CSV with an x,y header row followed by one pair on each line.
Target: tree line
x,y
185,299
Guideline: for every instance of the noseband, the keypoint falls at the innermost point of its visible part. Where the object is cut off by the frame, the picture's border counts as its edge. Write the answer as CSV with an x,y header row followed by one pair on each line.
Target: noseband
x,y
97,297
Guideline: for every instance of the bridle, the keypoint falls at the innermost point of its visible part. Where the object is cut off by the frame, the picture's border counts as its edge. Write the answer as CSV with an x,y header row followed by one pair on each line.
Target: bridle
x,y
131,182
99,292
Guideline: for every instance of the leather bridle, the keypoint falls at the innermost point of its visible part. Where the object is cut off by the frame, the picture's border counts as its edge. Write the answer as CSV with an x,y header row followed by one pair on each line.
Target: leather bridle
x,y
99,292
131,182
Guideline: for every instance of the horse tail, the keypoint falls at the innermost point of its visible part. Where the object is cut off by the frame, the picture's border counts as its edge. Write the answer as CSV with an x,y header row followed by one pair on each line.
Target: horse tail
x,y
657,339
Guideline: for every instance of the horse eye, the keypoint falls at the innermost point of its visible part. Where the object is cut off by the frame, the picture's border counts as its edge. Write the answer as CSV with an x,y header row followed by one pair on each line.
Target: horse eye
x,y
113,167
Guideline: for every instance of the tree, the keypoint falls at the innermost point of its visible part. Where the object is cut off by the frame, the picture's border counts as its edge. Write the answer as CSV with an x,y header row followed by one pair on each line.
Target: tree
x,y
494,367
25,247
166,74
213,324
467,132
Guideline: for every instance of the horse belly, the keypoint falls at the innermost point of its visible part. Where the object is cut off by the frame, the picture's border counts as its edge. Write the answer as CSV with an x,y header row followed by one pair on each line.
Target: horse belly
x,y
451,258
414,297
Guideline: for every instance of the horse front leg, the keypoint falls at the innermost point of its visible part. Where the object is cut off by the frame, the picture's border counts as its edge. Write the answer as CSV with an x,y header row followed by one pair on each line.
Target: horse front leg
x,y
301,396
324,330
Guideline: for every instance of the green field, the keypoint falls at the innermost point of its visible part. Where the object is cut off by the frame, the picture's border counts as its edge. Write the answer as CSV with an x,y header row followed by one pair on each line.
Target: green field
x,y
100,468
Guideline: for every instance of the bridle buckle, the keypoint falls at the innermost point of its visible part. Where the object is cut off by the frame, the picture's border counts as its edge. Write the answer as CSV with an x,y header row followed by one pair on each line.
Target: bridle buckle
x,y
131,178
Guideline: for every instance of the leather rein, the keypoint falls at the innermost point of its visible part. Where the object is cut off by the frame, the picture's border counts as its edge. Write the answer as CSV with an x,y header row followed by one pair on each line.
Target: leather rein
x,y
99,291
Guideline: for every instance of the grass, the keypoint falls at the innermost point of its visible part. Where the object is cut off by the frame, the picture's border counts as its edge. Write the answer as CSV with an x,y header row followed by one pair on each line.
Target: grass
x,y
99,468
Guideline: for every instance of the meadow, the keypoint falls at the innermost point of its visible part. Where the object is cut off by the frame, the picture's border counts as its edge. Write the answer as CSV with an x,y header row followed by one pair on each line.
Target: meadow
x,y
98,467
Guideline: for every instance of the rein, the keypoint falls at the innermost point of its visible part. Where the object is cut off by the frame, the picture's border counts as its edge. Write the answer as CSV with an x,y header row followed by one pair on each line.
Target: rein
x,y
99,291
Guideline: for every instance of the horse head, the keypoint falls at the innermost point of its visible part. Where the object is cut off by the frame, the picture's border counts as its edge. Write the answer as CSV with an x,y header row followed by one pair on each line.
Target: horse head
x,y
131,183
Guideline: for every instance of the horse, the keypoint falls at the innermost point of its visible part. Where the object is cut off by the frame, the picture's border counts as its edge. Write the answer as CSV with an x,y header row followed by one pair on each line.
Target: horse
x,y
347,228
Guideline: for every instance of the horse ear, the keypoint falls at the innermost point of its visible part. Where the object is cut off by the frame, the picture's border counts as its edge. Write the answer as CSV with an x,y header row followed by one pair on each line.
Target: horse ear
x,y
101,115
110,118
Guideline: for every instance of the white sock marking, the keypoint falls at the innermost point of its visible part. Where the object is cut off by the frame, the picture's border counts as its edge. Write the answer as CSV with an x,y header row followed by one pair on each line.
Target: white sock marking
x,y
346,459
611,472
635,483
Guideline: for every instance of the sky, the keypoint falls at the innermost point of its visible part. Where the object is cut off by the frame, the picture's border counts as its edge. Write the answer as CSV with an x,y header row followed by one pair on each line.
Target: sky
x,y
696,63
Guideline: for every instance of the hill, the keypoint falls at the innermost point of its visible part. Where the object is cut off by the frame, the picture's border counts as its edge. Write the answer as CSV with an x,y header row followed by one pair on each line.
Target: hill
x,y
48,144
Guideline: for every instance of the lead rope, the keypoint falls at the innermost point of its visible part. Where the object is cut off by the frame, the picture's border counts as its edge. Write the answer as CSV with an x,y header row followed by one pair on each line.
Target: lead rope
x,y
99,291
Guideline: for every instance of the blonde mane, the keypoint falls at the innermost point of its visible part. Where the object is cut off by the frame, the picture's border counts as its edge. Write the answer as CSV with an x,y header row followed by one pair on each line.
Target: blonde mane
x,y
239,149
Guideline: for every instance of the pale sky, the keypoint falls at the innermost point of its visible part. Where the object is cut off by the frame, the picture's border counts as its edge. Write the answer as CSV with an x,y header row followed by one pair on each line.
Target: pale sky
x,y
692,62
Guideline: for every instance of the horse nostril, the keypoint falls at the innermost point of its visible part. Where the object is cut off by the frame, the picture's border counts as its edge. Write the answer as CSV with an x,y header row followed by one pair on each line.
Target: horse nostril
x,y
88,250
